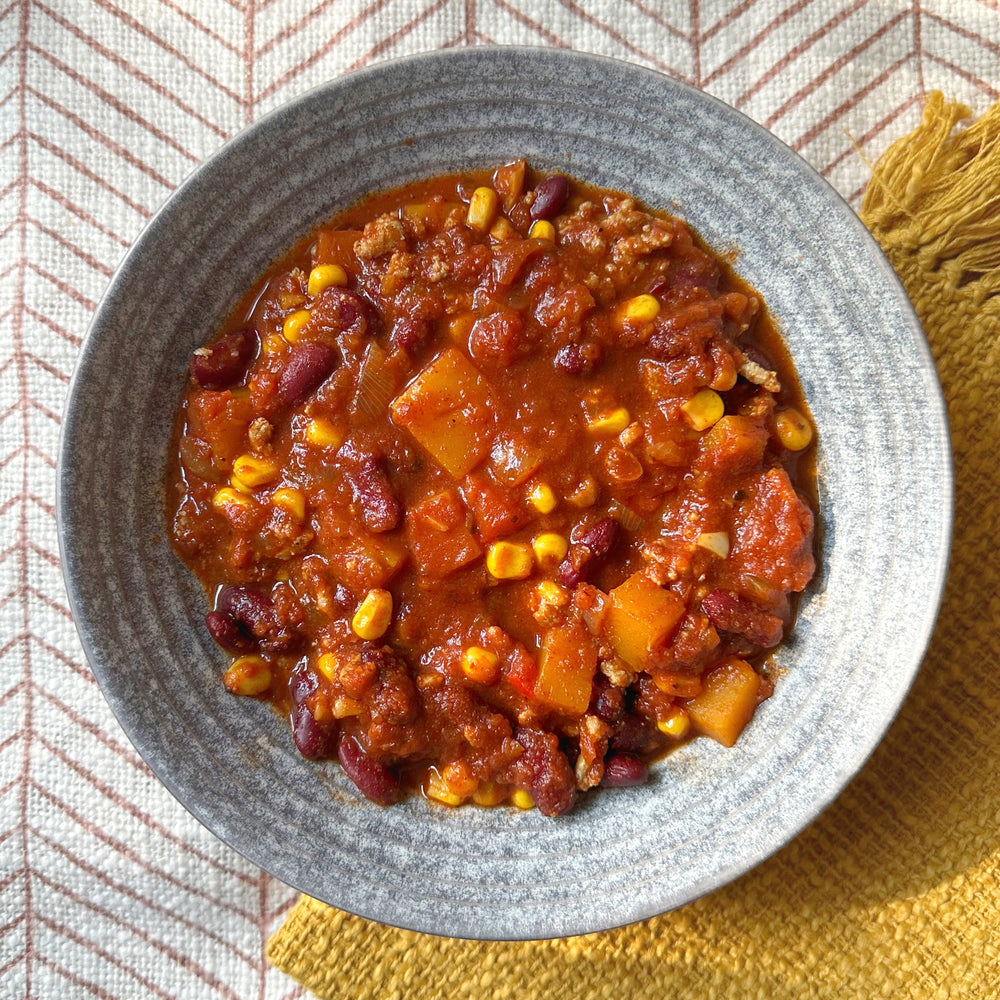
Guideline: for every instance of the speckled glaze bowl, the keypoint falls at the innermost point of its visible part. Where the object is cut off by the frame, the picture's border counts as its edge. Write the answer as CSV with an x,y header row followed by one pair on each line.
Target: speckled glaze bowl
x,y
708,814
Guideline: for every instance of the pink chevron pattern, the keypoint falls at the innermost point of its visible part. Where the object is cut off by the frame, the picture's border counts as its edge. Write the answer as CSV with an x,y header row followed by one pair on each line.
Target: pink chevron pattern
x,y
107,887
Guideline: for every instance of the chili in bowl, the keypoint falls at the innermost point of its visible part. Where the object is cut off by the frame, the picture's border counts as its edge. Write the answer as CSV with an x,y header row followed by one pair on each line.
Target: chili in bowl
x,y
876,478
493,482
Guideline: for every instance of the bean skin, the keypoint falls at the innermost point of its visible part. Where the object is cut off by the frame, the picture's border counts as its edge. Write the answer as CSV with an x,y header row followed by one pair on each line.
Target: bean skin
x,y
252,609
410,334
225,630
591,545
224,363
550,196
624,771
311,364
314,740
578,359
380,508
376,781
738,615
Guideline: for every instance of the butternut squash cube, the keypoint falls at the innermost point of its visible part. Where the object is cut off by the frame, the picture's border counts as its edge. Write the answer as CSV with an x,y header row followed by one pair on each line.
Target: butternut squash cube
x,y
727,703
641,616
567,662
448,408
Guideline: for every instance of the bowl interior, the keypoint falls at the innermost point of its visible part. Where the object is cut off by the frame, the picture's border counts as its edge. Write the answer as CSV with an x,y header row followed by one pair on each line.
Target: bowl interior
x,y
708,814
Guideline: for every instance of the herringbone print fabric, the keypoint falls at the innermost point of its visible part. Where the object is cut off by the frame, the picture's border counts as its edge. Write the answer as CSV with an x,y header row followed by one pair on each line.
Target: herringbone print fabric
x,y
107,887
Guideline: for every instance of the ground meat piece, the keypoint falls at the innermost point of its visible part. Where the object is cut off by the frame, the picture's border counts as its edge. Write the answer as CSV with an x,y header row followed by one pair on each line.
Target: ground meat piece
x,y
380,236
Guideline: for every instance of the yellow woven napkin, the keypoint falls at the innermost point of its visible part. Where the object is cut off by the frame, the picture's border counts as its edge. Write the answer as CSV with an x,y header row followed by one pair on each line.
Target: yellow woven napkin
x,y
895,890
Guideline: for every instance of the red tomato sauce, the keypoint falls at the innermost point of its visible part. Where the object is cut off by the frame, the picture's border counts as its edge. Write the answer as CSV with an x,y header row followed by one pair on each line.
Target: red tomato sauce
x,y
497,488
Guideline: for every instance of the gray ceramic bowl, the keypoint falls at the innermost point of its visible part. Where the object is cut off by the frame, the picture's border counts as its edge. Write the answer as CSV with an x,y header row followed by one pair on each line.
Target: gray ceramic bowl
x,y
708,814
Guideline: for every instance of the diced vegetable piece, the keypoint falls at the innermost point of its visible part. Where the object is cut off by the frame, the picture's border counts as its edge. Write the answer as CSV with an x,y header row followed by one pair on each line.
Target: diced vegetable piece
x,y
509,182
439,539
734,444
727,704
449,410
640,617
361,561
514,460
221,420
567,662
496,511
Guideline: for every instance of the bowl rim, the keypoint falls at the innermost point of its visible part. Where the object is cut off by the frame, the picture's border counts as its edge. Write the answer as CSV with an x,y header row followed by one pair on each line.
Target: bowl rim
x,y
160,221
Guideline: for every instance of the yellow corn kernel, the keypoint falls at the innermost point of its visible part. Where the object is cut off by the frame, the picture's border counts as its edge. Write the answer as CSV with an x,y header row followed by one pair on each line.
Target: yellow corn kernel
x,y
639,310
488,794
543,499
291,501
459,778
292,327
321,710
324,276
585,495
704,409
437,789
373,615
481,665
238,484
794,431
522,799
322,433
509,561
502,229
716,542
676,724
551,592
249,675
346,708
611,422
482,209
274,344
550,549
327,665
253,471
227,495
543,230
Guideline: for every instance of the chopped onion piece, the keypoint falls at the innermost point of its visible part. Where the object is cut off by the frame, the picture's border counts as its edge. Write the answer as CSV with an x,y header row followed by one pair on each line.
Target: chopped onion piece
x,y
716,542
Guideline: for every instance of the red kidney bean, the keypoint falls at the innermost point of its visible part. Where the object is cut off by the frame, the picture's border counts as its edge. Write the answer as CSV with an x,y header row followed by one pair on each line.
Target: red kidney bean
x,y
252,609
579,359
738,615
410,334
310,365
225,630
380,509
315,740
599,537
591,545
623,771
609,701
553,784
550,196
224,363
339,310
376,781
634,734
301,684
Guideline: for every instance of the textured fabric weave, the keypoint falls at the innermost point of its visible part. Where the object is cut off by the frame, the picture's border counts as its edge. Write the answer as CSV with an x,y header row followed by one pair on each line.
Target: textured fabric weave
x,y
895,890
108,887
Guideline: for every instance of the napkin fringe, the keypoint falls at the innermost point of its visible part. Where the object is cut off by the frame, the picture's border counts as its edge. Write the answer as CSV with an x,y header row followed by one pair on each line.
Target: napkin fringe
x,y
935,197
